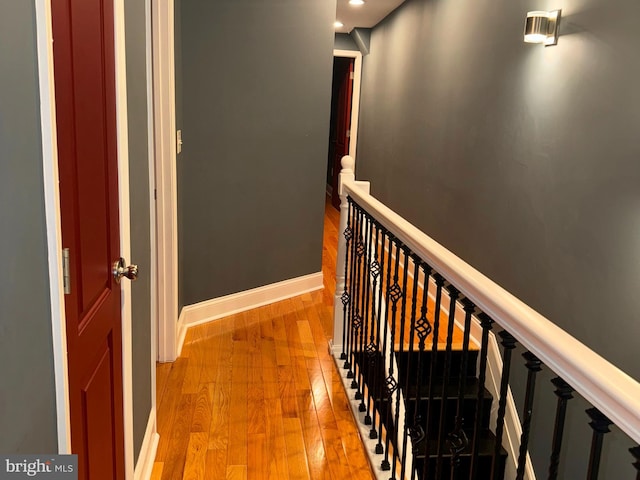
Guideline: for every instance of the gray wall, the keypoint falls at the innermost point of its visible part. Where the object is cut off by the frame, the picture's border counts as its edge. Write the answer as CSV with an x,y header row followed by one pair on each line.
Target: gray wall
x,y
256,91
27,392
521,159
343,41
135,25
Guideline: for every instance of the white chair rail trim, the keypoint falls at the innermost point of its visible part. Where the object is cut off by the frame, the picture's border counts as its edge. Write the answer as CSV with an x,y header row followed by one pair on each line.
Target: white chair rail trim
x,y
605,386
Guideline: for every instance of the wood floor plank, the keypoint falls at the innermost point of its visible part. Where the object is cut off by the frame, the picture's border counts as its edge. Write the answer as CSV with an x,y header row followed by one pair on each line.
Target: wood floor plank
x,y
238,409
195,463
175,458
162,376
168,406
202,410
237,472
216,464
156,473
257,466
296,454
276,446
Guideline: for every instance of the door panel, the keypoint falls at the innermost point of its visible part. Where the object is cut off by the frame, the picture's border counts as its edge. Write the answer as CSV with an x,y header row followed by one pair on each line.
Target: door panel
x,y
98,420
84,71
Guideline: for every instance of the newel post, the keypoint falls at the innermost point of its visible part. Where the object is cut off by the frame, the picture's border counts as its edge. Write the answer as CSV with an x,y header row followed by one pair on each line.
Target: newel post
x,y
346,174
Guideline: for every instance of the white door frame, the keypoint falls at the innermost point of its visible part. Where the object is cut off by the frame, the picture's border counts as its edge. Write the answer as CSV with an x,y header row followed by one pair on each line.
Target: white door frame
x,y
54,230
355,97
166,178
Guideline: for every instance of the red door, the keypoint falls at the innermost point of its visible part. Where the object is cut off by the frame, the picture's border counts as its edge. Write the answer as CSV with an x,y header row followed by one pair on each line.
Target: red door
x,y
344,75
84,68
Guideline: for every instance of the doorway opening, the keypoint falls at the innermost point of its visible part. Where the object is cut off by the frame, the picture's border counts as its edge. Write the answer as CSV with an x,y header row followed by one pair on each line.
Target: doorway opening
x,y
343,126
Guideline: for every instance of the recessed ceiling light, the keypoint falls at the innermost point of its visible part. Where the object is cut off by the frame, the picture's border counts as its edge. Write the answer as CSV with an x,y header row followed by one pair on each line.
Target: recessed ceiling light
x,y
356,2
338,24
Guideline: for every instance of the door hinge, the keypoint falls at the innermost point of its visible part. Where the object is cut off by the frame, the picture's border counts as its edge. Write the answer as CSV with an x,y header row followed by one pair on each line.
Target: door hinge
x,y
352,75
66,272
348,133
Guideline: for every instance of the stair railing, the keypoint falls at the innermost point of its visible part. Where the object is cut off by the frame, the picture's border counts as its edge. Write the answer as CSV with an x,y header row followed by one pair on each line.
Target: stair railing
x,y
412,332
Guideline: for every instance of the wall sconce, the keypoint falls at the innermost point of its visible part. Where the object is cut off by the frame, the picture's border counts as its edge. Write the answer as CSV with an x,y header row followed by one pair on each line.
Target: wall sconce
x,y
542,27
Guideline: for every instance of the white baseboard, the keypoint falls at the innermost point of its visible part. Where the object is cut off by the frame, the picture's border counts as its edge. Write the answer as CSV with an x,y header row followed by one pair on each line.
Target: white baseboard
x,y
144,466
216,308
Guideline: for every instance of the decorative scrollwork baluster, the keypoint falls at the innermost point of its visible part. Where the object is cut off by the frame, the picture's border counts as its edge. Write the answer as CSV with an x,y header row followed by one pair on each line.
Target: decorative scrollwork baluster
x,y
409,424
398,350
365,404
394,294
352,282
346,297
373,349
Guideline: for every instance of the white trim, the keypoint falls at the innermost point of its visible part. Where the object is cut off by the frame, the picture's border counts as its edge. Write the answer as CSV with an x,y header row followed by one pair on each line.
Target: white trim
x,y
153,308
147,456
209,310
122,127
52,213
355,97
601,383
166,177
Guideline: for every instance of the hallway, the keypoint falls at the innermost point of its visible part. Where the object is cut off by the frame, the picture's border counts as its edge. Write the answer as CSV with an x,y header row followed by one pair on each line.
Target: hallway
x,y
256,395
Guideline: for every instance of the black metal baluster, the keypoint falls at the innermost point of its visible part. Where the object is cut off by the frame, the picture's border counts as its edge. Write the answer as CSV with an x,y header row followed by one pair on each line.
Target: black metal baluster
x,y
394,293
373,350
635,451
355,293
400,351
345,297
368,325
509,343
385,465
600,425
439,281
352,285
412,332
453,297
534,365
458,440
487,325
359,300
563,391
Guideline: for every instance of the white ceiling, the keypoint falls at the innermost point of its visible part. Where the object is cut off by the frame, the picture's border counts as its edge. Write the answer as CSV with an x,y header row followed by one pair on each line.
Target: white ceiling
x,y
366,16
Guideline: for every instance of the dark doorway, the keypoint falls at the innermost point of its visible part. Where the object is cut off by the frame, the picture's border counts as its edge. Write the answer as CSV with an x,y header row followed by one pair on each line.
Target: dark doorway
x,y
339,131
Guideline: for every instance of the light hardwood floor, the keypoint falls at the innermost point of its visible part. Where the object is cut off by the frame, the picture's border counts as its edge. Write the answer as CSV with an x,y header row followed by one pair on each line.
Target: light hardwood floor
x,y
256,395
